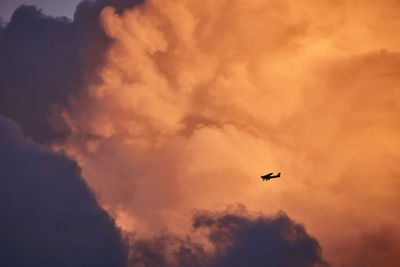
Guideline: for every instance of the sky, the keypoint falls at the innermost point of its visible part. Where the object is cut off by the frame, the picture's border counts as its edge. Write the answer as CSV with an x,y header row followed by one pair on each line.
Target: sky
x,y
163,116
50,7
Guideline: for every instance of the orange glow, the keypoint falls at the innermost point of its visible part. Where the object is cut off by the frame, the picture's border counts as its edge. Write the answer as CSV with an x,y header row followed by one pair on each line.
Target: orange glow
x,y
200,98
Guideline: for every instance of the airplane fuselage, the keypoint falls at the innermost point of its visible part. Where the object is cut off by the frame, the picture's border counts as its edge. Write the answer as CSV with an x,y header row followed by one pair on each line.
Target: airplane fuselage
x,y
269,176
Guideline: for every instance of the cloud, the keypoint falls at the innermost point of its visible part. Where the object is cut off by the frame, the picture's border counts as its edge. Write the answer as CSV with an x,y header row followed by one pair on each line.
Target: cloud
x,y
374,247
39,67
1,28
347,135
196,101
237,239
171,106
46,62
49,217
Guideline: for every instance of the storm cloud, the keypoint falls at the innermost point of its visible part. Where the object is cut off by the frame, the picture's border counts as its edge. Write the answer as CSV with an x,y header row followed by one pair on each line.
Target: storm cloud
x,y
49,217
170,106
45,61
236,239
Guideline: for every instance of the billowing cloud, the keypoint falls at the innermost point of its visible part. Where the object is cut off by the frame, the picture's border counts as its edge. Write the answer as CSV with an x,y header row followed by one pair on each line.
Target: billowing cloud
x,y
197,100
49,217
236,239
46,61
39,68
184,104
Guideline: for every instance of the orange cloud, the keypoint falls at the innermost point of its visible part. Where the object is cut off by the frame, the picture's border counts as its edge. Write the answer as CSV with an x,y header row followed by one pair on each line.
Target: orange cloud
x,y
198,99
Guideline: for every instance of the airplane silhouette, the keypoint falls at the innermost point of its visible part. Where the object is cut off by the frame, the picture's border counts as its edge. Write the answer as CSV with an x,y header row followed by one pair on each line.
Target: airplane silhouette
x,y
269,176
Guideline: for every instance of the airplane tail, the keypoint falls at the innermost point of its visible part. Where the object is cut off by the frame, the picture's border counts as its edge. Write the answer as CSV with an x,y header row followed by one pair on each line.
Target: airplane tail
x,y
279,175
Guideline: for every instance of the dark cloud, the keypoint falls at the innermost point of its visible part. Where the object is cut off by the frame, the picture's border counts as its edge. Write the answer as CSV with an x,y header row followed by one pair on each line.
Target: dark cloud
x,y
49,217
45,60
260,241
238,240
1,28
168,250
39,66
89,10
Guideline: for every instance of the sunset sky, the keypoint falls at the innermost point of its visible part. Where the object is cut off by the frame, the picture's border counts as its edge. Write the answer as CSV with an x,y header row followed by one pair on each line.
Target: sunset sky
x,y
134,133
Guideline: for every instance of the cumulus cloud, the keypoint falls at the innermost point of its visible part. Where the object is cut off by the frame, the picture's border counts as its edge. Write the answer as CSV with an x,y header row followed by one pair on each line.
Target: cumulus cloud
x,y
49,217
182,105
236,239
46,61
197,100
39,67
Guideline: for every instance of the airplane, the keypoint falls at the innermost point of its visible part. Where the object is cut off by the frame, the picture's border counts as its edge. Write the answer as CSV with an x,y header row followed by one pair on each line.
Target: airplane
x,y
269,176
